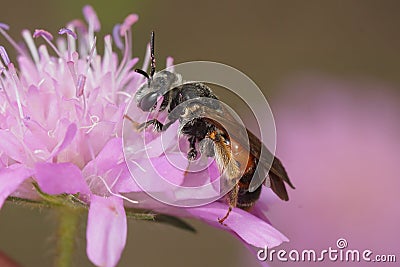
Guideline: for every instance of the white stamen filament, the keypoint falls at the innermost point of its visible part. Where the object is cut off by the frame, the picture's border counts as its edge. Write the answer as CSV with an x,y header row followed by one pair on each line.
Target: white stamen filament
x,y
62,45
126,55
88,62
94,120
71,67
129,96
91,54
71,42
50,43
107,58
15,79
12,42
90,32
84,105
26,34
115,194
138,165
116,179
5,93
44,55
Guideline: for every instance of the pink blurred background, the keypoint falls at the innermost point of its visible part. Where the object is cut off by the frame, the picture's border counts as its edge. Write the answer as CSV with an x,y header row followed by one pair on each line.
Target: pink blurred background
x,y
340,141
330,71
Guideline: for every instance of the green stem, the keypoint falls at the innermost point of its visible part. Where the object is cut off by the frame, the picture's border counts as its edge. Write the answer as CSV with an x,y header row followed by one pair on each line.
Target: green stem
x,y
68,220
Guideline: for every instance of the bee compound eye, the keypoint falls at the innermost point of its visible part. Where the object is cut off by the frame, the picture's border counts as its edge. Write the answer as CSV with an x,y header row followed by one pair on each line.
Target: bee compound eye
x,y
148,101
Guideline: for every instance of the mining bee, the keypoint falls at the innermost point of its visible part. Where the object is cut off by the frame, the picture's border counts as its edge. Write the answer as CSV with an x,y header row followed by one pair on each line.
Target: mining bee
x,y
210,137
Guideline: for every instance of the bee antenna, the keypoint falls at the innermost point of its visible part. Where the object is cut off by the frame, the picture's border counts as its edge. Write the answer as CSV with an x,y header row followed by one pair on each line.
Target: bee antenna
x,y
153,59
143,73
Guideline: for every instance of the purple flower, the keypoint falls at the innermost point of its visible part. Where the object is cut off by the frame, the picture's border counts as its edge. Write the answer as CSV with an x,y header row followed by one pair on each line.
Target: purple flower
x,y
60,129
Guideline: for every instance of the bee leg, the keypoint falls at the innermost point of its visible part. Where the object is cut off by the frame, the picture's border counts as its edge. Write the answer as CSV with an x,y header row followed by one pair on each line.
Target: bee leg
x,y
134,123
157,125
192,154
232,201
221,221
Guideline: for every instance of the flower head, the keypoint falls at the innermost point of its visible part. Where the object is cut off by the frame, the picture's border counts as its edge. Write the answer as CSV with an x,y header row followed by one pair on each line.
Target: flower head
x,y
61,115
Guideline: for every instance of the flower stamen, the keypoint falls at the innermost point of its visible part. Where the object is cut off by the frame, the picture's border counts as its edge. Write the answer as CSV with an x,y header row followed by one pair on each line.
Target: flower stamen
x,y
94,120
71,37
26,34
117,37
116,194
4,55
80,84
5,91
82,77
125,30
68,32
93,21
138,165
17,85
48,38
3,28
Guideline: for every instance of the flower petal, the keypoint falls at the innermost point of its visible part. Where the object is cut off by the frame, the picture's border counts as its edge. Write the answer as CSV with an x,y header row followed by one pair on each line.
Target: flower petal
x,y
12,146
124,182
69,136
59,178
155,174
109,156
106,230
248,227
11,178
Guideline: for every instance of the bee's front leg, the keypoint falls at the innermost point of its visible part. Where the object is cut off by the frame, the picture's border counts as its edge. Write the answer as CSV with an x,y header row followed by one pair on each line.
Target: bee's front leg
x,y
157,125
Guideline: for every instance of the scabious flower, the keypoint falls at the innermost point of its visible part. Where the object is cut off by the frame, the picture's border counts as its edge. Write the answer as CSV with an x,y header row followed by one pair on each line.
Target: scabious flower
x,y
61,115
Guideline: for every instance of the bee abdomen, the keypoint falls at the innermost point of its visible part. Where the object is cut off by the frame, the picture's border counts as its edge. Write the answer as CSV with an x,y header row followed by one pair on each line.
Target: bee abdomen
x,y
246,199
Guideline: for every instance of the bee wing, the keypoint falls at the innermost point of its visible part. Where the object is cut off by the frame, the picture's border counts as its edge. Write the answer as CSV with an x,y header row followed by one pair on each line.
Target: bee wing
x,y
277,174
270,170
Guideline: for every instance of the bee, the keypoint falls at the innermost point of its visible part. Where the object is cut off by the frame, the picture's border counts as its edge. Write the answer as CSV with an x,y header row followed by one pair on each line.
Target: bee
x,y
246,166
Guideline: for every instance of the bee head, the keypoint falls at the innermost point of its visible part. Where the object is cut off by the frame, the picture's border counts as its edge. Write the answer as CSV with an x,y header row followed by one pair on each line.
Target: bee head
x,y
147,95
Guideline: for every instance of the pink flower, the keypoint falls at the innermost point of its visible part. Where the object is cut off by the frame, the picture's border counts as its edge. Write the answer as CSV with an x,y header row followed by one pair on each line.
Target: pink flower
x,y
61,116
